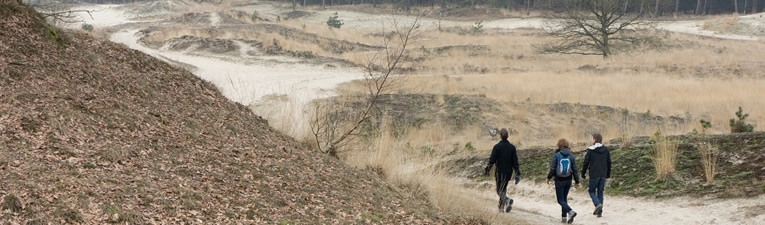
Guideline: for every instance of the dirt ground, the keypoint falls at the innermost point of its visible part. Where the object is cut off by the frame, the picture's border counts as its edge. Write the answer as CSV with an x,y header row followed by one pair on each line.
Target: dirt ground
x,y
252,69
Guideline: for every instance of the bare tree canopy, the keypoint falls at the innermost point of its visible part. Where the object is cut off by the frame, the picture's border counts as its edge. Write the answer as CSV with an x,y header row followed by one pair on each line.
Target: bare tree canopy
x,y
331,125
597,27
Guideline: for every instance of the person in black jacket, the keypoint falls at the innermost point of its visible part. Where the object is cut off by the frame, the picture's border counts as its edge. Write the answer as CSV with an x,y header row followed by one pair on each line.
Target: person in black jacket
x,y
598,161
506,158
563,168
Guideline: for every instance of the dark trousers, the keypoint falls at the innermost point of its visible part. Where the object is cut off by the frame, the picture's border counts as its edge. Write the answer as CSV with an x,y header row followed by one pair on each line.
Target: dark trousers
x,y
597,184
561,192
502,181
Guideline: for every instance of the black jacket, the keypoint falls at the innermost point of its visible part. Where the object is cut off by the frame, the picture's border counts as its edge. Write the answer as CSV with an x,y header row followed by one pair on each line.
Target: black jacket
x,y
598,160
506,158
554,166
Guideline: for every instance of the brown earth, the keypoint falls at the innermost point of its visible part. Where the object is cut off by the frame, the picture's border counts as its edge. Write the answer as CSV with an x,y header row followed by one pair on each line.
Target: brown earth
x,y
93,132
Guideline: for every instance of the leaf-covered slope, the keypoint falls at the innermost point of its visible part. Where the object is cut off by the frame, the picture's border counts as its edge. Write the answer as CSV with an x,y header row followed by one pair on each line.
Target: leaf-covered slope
x,y
93,132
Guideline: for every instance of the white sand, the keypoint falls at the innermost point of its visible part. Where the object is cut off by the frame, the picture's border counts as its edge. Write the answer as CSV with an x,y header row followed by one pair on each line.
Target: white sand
x,y
247,82
538,203
695,27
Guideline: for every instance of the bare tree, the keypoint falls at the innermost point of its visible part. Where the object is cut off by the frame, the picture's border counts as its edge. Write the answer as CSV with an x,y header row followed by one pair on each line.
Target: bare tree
x,y
58,13
596,27
332,125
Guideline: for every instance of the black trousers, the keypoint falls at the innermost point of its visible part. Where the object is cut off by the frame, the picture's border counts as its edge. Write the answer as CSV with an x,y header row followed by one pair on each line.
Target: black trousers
x,y
502,181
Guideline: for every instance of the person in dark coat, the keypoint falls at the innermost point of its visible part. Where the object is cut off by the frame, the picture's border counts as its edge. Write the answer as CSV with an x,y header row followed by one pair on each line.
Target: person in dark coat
x,y
598,161
504,155
563,168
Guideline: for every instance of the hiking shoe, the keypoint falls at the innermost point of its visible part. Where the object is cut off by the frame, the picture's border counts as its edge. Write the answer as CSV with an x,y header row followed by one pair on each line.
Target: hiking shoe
x,y
600,214
509,205
501,206
571,216
563,220
598,210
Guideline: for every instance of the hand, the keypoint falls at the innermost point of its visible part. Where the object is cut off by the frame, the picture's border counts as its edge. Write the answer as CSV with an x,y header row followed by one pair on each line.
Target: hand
x,y
584,176
548,181
577,185
517,179
486,171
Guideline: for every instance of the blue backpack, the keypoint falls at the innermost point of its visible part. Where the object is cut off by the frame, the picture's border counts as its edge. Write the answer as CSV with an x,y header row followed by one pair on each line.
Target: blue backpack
x,y
564,166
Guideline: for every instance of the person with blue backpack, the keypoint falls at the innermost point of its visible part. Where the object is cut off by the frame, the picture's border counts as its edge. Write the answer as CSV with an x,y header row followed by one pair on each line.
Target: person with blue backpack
x,y
563,168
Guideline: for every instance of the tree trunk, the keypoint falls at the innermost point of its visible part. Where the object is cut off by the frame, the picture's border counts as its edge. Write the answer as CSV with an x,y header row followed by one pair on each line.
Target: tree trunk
x,y
304,1
698,7
677,7
606,49
323,6
656,9
754,6
706,6
294,4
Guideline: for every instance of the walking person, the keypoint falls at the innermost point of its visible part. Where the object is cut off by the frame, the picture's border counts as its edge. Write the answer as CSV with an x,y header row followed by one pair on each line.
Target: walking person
x,y
598,161
563,168
505,156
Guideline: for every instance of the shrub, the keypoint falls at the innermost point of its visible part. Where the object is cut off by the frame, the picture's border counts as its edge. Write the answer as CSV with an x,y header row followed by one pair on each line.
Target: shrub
x,y
705,125
739,126
478,27
334,22
87,27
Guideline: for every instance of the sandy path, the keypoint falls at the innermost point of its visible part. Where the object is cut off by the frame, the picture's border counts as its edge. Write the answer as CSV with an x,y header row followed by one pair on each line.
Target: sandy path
x,y
695,27
248,81
537,202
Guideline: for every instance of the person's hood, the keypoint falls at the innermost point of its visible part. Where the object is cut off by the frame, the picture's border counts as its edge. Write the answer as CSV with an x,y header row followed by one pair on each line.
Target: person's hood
x,y
565,151
597,147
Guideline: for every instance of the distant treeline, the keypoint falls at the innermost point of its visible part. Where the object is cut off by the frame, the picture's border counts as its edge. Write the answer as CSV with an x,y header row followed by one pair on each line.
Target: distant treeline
x,y
651,7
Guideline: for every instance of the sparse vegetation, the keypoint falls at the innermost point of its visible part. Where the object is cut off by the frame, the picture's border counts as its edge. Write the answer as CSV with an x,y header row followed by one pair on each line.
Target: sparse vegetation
x,y
737,125
710,156
12,203
254,16
334,21
664,156
87,27
68,214
330,127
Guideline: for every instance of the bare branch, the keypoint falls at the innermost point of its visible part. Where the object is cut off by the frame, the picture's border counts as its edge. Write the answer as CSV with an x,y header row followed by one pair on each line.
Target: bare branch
x,y
331,126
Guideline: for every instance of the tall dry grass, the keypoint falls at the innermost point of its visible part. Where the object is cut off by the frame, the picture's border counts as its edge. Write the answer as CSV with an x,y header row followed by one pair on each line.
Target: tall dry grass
x,y
710,156
664,157
414,161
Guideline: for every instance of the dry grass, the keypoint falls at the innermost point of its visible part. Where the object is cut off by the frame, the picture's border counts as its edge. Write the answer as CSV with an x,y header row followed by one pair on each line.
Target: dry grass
x,y
408,161
664,157
710,156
